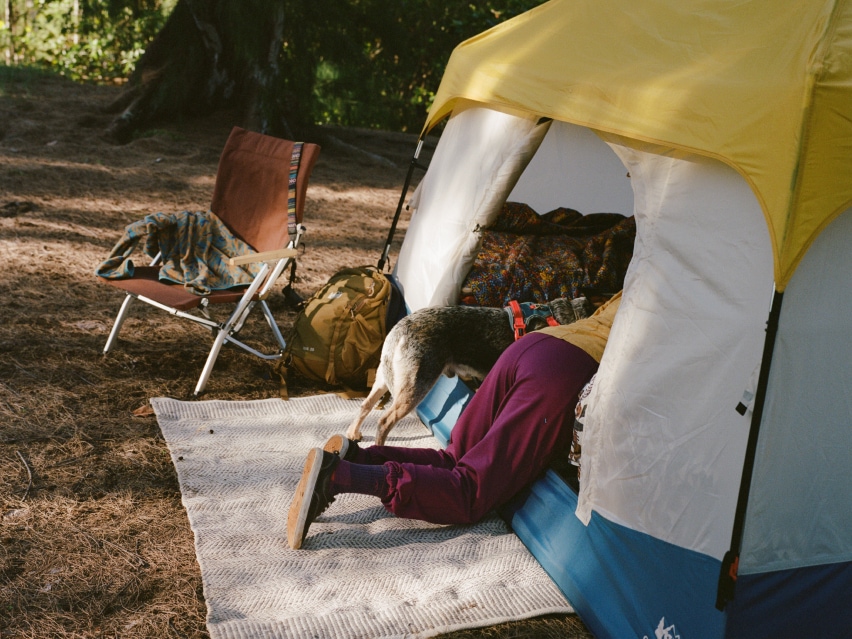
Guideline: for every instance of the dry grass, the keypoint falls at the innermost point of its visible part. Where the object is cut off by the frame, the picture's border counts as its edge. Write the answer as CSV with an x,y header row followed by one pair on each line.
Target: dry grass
x,y
94,541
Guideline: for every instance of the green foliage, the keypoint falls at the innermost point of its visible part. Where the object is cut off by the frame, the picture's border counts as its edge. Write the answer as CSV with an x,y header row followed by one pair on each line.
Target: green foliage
x,y
380,63
97,40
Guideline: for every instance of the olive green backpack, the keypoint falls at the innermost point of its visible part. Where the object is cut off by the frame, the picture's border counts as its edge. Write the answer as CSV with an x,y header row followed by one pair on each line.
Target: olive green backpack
x,y
337,337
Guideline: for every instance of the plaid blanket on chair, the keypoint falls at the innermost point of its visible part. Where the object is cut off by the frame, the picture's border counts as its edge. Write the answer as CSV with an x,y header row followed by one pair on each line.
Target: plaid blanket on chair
x,y
195,247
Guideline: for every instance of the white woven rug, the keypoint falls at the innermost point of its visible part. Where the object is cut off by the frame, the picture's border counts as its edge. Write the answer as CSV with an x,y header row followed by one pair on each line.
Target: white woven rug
x,y
362,572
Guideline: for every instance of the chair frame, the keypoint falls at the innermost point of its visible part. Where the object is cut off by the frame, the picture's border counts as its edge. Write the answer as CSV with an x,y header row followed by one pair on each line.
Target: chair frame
x,y
225,331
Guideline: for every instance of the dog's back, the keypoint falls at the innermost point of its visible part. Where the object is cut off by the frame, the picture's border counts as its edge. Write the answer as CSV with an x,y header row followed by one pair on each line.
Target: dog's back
x,y
454,340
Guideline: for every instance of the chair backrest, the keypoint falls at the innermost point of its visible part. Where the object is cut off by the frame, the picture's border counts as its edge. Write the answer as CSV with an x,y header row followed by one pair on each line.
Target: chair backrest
x,y
251,192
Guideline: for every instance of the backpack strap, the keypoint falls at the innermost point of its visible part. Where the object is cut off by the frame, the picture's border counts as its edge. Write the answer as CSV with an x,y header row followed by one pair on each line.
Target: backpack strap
x,y
293,299
517,317
520,313
295,159
542,311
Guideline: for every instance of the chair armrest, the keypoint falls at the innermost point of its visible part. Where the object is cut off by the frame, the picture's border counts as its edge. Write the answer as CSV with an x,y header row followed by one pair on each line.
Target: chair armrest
x,y
265,256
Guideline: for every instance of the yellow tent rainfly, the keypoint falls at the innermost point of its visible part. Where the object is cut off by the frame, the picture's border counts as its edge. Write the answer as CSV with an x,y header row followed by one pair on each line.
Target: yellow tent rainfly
x,y
765,88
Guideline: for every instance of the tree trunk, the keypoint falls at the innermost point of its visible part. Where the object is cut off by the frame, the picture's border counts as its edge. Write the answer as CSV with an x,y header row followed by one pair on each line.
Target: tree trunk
x,y
9,20
211,54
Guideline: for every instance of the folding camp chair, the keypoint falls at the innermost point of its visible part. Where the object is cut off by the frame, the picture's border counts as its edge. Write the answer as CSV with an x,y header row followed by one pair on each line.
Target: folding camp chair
x,y
259,195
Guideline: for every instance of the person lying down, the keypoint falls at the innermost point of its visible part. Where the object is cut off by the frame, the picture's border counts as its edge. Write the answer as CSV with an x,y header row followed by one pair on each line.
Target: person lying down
x,y
518,419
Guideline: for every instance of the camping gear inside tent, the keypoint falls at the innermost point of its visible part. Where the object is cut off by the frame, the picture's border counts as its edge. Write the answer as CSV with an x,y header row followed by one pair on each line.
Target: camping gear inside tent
x,y
716,477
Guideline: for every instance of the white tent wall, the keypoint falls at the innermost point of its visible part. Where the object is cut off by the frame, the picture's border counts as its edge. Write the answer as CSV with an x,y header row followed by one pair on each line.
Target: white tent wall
x,y
800,506
476,163
574,168
664,444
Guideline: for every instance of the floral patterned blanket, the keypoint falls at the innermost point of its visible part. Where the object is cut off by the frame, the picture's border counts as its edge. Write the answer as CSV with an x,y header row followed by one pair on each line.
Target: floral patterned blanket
x,y
528,257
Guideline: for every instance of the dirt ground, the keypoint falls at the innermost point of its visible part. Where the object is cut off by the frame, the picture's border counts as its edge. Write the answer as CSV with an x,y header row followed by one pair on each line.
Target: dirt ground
x,y
94,541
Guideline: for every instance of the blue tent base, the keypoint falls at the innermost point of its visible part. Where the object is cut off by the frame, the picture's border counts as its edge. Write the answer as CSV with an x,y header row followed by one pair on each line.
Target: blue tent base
x,y
440,409
597,567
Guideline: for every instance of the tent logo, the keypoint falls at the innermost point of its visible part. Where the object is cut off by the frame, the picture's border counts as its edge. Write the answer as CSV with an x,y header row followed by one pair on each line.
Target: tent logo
x,y
664,632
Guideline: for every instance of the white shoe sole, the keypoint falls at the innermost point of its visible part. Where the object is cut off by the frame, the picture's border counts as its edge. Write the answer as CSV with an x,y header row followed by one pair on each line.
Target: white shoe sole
x,y
337,445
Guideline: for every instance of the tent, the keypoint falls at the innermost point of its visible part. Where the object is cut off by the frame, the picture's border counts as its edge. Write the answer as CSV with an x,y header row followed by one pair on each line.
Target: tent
x,y
716,491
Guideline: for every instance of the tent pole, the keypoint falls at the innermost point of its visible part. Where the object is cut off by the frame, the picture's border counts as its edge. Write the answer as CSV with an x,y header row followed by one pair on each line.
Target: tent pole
x,y
730,563
413,165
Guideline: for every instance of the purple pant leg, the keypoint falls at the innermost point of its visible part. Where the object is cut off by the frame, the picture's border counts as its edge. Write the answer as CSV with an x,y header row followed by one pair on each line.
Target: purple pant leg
x,y
521,415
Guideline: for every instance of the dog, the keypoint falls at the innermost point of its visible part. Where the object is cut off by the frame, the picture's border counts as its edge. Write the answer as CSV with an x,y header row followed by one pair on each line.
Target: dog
x,y
453,340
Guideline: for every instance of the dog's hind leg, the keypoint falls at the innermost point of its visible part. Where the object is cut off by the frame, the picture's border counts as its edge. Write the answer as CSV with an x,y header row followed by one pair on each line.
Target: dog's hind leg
x,y
403,403
407,396
378,391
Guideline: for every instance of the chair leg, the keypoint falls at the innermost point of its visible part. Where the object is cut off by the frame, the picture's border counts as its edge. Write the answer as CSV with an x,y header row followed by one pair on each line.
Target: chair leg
x,y
236,321
270,319
227,328
119,320
221,336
